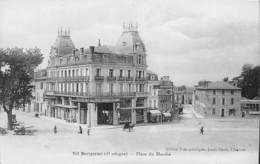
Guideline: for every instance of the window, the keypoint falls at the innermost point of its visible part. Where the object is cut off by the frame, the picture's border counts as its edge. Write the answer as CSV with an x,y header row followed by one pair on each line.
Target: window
x,y
121,73
61,73
86,71
139,61
223,101
214,92
98,72
223,91
213,111
77,87
73,73
111,72
139,74
232,101
150,103
214,101
129,73
232,92
65,73
69,73
129,87
86,89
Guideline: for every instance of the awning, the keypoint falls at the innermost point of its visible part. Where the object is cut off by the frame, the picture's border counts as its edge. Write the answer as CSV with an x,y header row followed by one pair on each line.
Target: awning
x,y
65,106
167,114
155,112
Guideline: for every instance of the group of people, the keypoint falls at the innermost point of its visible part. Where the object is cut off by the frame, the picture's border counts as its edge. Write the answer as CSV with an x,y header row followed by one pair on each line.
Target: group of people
x,y
79,132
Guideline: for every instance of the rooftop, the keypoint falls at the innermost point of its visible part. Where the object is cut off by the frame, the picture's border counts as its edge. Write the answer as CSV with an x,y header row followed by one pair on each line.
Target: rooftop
x,y
218,85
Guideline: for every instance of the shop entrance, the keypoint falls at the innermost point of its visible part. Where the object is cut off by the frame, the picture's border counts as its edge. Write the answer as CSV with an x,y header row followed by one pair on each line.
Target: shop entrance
x,y
105,113
222,112
232,112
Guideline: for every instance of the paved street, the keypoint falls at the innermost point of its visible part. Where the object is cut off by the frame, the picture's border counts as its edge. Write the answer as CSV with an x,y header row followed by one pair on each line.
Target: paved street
x,y
181,138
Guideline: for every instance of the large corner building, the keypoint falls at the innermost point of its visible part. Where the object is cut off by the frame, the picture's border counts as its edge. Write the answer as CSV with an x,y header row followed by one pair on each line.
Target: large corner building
x,y
99,84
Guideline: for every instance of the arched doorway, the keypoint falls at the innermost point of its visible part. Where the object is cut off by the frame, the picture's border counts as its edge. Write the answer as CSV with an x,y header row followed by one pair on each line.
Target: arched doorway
x,y
222,112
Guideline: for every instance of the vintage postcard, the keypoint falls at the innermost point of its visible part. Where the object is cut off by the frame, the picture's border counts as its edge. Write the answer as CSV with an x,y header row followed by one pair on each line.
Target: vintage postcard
x,y
129,81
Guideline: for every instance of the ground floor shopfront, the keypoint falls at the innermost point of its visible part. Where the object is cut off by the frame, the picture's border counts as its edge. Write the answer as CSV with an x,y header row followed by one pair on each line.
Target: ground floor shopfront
x,y
98,111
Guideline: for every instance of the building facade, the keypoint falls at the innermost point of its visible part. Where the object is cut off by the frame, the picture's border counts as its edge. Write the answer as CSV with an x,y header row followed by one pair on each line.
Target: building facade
x,y
100,84
153,98
184,95
250,108
217,99
38,104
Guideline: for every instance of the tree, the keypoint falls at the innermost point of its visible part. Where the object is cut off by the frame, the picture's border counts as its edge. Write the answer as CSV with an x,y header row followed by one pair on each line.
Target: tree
x,y
15,79
250,83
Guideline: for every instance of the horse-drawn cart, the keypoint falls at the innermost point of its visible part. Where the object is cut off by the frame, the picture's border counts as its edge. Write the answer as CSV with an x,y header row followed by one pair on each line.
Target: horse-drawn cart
x,y
129,126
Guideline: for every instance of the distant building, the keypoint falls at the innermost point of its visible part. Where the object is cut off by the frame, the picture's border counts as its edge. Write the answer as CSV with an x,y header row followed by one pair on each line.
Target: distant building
x,y
184,95
218,99
250,107
153,99
166,97
38,104
154,115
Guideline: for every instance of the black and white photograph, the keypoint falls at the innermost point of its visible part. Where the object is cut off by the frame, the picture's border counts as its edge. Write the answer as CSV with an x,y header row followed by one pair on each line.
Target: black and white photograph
x,y
129,81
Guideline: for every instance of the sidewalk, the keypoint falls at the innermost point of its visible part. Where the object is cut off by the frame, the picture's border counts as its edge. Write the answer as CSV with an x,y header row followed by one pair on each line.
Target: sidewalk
x,y
197,115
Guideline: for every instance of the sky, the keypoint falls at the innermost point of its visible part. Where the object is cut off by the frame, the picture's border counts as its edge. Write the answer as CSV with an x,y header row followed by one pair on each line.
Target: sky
x,y
187,40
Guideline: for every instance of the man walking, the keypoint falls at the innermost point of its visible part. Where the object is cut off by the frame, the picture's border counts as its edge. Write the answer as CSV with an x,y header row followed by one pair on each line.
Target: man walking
x,y
202,130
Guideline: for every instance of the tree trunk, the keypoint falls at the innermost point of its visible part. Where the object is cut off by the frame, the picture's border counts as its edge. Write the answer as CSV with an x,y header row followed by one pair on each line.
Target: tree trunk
x,y
9,120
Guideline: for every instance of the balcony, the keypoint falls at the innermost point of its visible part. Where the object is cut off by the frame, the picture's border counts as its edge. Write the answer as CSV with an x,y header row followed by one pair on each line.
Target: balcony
x,y
75,78
141,94
99,78
140,79
92,95
111,78
129,78
110,94
121,78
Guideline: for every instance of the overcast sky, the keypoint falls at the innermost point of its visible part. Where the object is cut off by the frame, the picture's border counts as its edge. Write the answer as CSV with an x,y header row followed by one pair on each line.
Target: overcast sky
x,y
189,40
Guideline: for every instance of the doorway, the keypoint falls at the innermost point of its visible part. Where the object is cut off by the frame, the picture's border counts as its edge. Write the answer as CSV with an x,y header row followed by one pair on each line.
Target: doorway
x,y
222,112
232,112
105,113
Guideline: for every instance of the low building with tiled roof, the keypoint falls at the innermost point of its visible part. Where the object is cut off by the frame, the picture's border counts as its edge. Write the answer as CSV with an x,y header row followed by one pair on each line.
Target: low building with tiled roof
x,y
217,99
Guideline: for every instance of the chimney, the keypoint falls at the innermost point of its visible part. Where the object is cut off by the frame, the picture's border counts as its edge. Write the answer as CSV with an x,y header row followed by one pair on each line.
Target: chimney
x,y
92,49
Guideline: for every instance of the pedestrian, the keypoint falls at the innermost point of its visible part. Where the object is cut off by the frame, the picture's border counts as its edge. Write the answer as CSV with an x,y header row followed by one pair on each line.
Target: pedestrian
x,y
88,131
202,130
55,129
80,130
